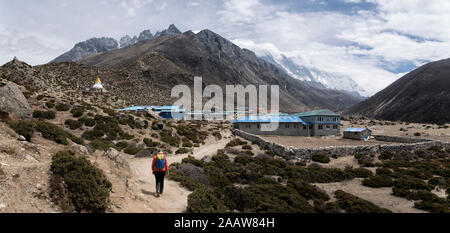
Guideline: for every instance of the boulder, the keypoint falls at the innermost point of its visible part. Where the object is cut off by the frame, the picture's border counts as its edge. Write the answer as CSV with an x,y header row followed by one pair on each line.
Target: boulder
x,y
13,102
79,149
115,156
196,173
206,159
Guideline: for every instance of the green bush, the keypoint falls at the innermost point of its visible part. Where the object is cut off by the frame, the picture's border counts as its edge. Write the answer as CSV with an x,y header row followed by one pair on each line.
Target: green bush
x,y
24,128
87,121
52,132
101,144
191,132
378,181
187,144
49,104
386,155
384,171
148,142
72,124
166,136
354,204
407,182
236,142
236,198
307,190
247,147
204,200
276,198
182,151
359,172
44,114
320,158
121,145
410,195
77,111
62,107
131,150
217,134
40,97
88,187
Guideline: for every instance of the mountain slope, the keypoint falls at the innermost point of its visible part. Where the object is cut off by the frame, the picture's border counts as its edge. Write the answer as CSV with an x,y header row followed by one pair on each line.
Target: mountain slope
x,y
104,44
314,76
422,95
88,47
176,59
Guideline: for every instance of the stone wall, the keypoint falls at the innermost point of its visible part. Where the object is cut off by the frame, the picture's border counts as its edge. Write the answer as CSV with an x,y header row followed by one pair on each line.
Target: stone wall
x,y
289,152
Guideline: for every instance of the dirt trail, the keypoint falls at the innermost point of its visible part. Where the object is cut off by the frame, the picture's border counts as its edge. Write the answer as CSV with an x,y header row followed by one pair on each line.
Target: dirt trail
x,y
174,198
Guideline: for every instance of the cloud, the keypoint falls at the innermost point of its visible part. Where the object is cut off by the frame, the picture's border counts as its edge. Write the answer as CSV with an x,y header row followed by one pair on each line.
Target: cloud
x,y
27,47
372,47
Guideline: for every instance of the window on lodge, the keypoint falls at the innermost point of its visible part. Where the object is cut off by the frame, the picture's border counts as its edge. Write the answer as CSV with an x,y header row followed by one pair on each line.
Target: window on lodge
x,y
320,118
328,126
335,127
304,127
258,126
286,126
320,126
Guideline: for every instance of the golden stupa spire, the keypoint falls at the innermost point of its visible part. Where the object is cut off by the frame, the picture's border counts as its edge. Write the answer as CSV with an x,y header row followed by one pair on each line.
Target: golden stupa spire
x,y
98,80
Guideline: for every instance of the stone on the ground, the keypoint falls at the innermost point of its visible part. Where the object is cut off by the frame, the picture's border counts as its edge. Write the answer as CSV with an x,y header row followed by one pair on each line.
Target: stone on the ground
x,y
115,156
206,159
79,149
21,138
13,102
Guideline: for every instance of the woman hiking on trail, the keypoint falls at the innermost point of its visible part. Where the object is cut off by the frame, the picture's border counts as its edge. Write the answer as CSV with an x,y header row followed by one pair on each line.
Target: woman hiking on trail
x,y
160,167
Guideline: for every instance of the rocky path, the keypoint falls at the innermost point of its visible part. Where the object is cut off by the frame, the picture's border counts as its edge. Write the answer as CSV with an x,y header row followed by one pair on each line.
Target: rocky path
x,y
174,199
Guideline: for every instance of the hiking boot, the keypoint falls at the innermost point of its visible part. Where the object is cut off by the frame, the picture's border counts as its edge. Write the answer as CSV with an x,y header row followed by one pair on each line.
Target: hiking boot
x,y
157,194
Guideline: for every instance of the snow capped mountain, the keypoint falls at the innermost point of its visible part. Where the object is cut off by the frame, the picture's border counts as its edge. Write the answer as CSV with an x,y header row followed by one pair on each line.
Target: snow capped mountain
x,y
296,68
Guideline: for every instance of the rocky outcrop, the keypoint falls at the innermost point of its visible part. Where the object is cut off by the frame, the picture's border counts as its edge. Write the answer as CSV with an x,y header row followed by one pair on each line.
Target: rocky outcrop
x,y
88,47
117,158
13,103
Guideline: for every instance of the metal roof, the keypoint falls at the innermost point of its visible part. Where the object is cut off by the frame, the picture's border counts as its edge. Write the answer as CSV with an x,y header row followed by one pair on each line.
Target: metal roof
x,y
355,129
322,112
270,118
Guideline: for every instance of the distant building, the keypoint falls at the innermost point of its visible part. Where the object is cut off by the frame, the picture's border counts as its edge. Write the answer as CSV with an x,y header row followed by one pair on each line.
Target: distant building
x,y
168,112
322,122
287,125
97,88
316,123
357,133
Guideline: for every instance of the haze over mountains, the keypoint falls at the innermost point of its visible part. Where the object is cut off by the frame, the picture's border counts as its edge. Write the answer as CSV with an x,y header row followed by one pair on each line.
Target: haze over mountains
x,y
422,95
313,75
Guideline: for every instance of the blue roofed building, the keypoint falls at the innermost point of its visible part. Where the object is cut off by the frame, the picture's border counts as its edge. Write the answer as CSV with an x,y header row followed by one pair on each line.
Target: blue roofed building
x,y
273,125
315,123
322,122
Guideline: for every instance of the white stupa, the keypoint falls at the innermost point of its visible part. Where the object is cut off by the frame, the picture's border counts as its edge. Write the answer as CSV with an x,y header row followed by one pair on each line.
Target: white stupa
x,y
98,87
98,84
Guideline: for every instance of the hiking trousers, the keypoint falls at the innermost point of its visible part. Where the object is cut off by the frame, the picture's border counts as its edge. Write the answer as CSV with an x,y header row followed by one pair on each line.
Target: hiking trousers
x,y
159,176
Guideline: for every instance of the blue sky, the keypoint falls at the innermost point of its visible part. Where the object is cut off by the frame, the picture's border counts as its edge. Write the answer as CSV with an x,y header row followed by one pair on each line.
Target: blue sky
x,y
372,41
